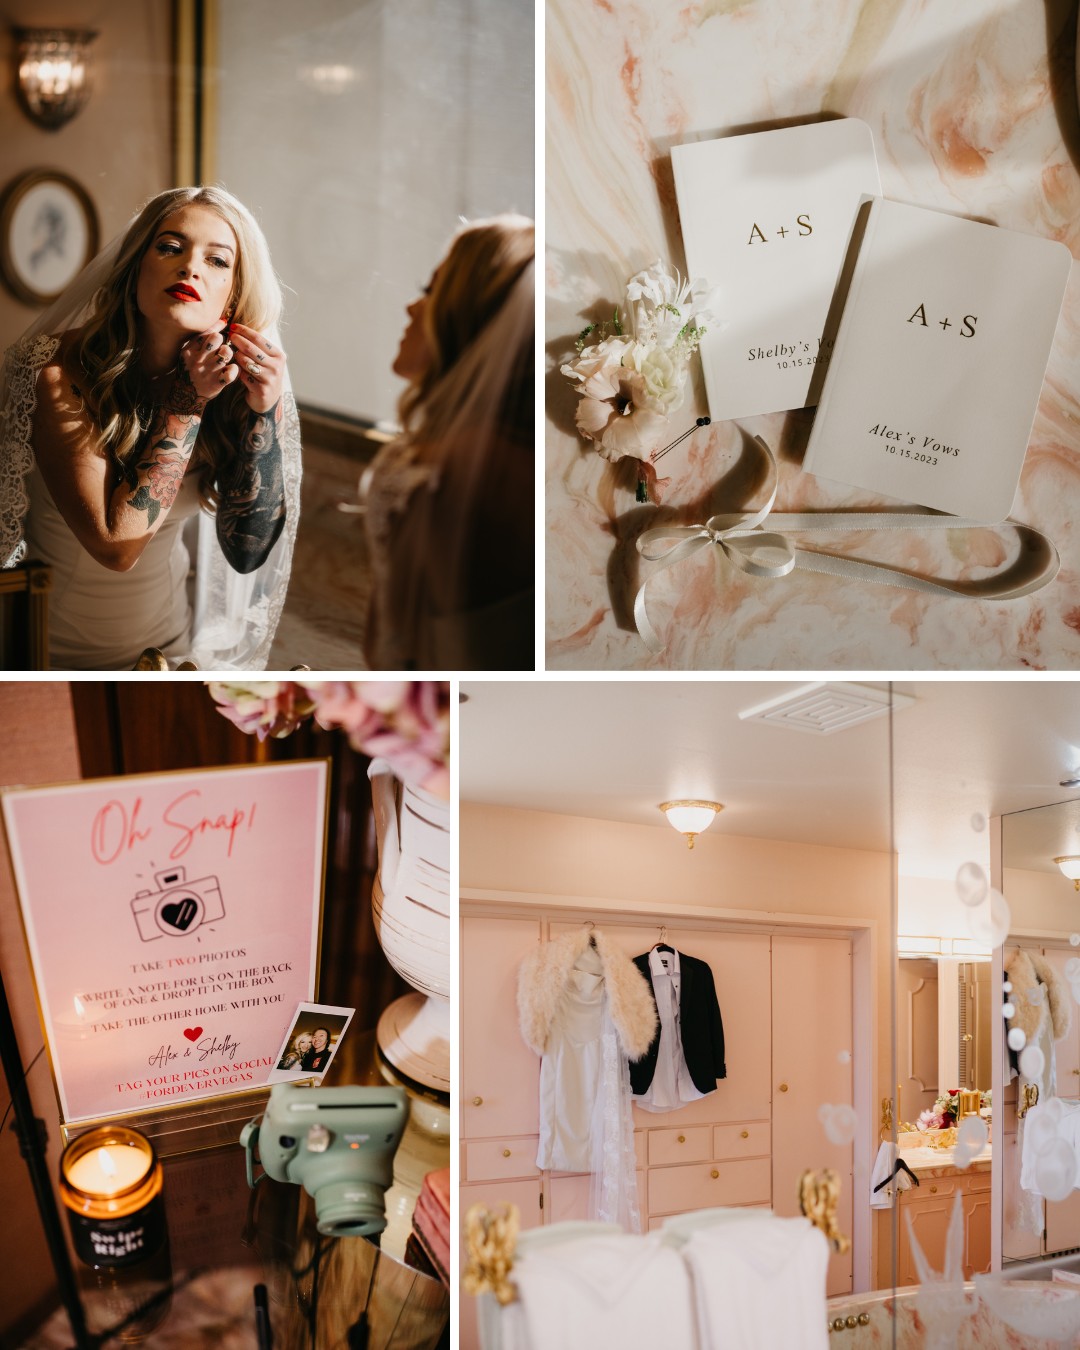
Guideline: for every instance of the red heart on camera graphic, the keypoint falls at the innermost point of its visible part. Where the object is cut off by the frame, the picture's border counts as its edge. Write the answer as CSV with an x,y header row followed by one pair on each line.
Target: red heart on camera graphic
x,y
193,1033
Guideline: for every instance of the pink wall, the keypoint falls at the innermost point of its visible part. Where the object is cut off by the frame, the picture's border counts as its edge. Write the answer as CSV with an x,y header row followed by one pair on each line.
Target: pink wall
x,y
640,867
507,848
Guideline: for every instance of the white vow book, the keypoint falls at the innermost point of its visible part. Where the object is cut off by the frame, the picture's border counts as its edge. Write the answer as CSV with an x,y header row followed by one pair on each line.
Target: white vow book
x,y
766,218
939,360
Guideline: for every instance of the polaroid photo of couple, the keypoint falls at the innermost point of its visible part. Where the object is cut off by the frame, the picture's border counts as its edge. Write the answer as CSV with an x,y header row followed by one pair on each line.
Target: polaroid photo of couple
x,y
310,1042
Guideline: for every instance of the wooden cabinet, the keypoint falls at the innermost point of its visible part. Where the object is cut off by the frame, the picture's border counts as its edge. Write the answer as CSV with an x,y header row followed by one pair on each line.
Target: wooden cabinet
x,y
500,1075
675,1190
786,1005
811,1067
528,1196
930,1206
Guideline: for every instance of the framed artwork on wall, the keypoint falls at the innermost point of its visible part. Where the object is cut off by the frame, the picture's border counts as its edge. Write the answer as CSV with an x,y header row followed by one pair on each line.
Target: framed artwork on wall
x,y
48,233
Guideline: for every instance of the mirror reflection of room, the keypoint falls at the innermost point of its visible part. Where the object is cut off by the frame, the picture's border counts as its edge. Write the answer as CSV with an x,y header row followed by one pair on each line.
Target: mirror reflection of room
x,y
986,837
1041,1093
267,302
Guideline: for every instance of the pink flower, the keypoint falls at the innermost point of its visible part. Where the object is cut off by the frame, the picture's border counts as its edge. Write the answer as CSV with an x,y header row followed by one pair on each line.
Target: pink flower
x,y
405,722
267,708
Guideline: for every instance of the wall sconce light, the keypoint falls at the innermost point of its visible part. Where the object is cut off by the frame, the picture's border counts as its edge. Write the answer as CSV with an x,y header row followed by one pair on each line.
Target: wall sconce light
x,y
690,817
1070,866
53,65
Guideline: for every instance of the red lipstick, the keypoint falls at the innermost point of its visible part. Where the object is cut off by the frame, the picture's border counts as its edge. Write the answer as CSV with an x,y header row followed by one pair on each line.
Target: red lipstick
x,y
183,292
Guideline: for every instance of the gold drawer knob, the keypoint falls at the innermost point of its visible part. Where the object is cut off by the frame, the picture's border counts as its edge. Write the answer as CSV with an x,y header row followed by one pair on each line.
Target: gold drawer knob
x,y
1076,1070
744,1134
852,1321
864,1319
714,1174
682,1138
837,1324
933,1190
783,1087
478,1101
506,1153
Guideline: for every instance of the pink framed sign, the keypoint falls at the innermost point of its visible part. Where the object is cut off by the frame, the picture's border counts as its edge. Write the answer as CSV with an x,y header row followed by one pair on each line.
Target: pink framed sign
x,y
173,926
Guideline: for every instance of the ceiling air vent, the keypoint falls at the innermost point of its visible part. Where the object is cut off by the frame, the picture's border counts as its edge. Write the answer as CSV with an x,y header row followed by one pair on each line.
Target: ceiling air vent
x,y
824,708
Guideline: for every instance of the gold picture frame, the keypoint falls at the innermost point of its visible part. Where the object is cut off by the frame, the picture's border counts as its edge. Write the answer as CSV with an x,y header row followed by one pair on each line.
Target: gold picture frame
x,y
48,233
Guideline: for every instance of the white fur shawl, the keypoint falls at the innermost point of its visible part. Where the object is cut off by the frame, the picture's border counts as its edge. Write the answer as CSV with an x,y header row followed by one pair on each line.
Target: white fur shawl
x,y
1025,970
543,977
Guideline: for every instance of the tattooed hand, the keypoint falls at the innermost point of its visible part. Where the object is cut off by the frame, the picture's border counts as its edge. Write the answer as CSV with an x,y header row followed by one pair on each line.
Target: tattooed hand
x,y
260,365
206,365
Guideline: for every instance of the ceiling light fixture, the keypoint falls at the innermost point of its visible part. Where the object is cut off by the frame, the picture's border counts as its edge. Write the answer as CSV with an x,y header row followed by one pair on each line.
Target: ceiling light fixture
x,y
1070,866
691,817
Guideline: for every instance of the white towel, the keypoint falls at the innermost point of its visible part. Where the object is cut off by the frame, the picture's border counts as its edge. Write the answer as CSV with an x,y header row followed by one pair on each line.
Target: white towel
x,y
618,1289
759,1284
884,1167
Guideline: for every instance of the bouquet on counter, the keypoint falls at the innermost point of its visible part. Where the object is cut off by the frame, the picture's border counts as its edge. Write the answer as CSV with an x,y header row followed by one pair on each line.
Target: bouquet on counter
x,y
631,370
944,1112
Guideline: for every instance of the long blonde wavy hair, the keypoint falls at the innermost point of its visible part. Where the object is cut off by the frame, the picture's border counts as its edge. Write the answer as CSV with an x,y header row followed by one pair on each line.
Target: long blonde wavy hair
x,y
484,261
108,349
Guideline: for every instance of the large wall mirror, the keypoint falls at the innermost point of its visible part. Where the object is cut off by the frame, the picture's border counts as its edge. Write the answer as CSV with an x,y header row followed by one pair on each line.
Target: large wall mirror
x,y
1040,1205
988,1028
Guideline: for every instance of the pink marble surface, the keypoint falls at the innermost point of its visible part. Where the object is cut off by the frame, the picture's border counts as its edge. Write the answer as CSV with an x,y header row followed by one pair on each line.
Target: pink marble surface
x,y
895,1322
973,110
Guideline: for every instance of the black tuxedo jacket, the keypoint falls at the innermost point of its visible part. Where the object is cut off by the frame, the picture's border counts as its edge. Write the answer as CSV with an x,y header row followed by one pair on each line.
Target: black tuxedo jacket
x,y
699,1020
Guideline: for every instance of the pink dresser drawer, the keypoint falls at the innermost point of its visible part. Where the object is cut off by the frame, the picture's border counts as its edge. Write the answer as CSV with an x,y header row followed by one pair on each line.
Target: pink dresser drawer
x,y
661,1219
673,1190
750,1140
641,1149
495,1159
690,1144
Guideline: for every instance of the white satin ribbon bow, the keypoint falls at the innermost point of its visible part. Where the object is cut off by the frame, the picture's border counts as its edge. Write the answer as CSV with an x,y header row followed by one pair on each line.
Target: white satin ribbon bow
x,y
769,553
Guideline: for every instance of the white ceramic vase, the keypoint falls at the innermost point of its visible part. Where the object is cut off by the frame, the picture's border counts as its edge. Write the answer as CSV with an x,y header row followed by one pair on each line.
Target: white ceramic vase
x,y
411,908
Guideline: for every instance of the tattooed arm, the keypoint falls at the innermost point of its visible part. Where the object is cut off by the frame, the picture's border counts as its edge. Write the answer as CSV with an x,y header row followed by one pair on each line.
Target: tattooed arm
x,y
251,513
113,521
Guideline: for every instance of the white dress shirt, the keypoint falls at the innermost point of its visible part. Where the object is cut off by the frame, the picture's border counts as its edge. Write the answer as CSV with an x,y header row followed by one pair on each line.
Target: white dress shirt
x,y
672,1085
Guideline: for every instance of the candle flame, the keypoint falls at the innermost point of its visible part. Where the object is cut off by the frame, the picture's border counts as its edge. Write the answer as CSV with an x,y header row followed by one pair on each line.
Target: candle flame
x,y
106,1163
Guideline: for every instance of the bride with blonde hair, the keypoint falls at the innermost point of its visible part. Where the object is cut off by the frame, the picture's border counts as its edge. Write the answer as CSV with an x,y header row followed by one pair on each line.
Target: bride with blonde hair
x,y
147,408
450,502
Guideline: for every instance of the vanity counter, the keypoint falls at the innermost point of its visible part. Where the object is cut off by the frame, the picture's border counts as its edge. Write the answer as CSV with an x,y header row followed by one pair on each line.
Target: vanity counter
x,y
938,1162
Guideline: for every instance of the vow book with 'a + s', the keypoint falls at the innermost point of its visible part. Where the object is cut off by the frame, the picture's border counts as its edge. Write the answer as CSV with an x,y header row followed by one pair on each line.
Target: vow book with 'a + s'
x,y
766,220
939,360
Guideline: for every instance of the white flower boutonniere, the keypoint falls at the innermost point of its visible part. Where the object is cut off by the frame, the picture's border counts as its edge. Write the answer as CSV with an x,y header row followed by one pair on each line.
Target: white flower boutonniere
x,y
631,373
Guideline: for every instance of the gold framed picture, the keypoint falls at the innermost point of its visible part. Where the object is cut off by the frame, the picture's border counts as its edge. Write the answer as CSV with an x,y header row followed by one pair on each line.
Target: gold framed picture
x,y
48,233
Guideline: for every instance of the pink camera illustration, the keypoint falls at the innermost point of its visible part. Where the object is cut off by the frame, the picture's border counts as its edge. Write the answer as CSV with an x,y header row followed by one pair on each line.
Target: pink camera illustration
x,y
178,906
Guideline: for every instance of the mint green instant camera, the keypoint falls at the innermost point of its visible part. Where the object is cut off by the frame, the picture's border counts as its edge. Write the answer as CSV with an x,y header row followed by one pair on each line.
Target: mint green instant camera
x,y
338,1143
